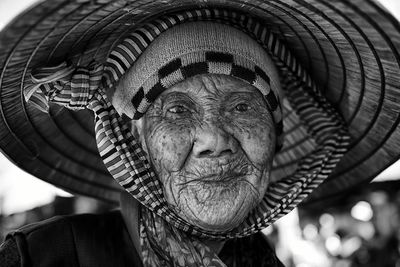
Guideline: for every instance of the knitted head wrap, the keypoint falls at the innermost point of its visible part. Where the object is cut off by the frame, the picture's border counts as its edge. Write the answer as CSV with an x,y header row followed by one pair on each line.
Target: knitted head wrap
x,y
78,87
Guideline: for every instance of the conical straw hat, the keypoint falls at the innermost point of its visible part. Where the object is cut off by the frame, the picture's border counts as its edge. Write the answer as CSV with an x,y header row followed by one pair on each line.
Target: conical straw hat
x,y
350,48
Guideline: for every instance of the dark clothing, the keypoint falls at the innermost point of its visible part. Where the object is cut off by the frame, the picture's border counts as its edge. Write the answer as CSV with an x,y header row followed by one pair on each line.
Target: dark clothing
x,y
103,240
80,240
250,251
9,255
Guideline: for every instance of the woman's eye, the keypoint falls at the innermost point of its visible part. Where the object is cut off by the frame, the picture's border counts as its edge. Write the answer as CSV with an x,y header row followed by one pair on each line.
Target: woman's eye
x,y
242,107
178,109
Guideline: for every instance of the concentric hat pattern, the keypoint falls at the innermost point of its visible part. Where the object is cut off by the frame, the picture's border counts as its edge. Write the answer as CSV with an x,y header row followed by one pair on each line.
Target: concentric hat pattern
x,y
349,47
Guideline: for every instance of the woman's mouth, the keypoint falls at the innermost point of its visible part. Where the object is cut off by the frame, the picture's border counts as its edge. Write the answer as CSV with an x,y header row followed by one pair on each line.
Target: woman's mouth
x,y
221,177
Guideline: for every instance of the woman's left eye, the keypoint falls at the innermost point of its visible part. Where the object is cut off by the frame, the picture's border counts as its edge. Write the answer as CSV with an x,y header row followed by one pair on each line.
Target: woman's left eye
x,y
178,109
242,107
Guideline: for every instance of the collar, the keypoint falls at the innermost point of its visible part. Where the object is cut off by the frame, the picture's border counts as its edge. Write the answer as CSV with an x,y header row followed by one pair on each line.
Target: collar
x,y
130,211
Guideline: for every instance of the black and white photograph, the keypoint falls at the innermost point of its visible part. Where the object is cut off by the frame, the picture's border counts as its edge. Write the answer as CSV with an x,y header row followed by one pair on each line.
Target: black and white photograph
x,y
191,133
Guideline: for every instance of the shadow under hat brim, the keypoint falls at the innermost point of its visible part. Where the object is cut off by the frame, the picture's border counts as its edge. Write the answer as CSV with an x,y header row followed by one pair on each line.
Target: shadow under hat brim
x,y
351,49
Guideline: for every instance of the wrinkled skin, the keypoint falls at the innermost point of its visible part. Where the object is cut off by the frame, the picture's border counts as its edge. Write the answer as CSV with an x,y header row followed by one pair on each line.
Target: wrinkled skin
x,y
211,140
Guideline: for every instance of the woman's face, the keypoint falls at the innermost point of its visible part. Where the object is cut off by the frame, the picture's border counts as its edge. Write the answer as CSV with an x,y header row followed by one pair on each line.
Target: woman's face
x,y
211,140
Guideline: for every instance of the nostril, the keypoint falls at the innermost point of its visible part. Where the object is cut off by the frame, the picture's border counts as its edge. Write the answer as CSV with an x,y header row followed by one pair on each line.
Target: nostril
x,y
205,153
225,152
208,153
214,142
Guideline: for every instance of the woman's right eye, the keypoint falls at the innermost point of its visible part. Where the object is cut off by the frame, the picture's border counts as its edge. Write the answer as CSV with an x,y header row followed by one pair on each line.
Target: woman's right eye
x,y
178,109
242,107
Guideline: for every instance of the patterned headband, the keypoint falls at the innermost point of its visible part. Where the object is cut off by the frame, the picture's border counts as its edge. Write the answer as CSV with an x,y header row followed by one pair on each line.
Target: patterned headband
x,y
82,87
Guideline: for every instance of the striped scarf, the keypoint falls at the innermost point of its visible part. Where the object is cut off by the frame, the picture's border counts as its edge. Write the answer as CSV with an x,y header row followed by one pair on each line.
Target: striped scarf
x,y
84,87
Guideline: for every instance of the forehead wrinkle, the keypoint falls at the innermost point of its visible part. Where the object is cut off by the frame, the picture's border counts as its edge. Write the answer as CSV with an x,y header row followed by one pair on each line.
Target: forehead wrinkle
x,y
212,83
210,95
219,85
202,86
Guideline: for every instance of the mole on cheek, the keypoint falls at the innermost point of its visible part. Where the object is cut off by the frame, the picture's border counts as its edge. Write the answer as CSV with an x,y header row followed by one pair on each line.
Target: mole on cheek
x,y
249,135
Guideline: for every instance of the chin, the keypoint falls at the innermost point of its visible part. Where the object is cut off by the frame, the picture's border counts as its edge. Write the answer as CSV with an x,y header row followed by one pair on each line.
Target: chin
x,y
222,225
217,207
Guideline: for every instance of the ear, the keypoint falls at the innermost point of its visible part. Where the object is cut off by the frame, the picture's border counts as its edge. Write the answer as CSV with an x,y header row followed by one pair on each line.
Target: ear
x,y
110,93
137,129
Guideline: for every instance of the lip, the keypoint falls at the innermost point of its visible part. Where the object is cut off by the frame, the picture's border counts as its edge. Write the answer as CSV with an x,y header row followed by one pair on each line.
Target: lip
x,y
220,178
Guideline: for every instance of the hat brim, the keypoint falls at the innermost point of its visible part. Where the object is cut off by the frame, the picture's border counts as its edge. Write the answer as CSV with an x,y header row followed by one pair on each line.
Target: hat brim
x,y
351,49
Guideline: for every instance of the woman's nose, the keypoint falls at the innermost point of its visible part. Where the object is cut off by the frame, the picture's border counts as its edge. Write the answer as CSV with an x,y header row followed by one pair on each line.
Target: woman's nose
x,y
213,141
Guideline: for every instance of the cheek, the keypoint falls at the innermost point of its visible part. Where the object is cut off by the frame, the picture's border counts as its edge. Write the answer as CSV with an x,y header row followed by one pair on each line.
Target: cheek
x,y
258,142
168,145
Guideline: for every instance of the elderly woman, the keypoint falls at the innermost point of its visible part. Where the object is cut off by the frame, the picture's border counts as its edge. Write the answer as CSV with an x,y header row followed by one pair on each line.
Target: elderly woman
x,y
190,100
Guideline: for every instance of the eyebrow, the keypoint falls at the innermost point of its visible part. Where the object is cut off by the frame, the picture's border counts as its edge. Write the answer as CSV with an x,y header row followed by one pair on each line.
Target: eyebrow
x,y
175,96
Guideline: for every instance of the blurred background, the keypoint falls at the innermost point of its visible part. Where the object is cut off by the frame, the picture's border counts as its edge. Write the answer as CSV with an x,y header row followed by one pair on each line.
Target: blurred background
x,y
358,228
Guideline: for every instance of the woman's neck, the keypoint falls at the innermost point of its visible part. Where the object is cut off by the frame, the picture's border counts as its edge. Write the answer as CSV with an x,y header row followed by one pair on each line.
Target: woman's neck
x,y
214,245
129,209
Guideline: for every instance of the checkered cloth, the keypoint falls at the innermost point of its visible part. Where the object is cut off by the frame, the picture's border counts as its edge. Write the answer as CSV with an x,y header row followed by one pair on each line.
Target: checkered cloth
x,y
122,153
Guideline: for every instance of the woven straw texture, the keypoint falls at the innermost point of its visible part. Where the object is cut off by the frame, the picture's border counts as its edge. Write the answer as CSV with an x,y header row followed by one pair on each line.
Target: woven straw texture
x,y
350,49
